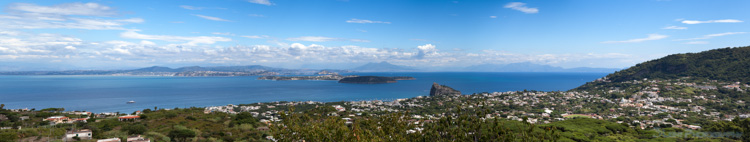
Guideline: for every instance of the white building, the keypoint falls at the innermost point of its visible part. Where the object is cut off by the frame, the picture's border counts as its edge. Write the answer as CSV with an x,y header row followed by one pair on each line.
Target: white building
x,y
81,134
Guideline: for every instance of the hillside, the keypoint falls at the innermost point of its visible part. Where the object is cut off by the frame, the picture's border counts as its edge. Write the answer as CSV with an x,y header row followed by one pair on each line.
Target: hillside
x,y
725,64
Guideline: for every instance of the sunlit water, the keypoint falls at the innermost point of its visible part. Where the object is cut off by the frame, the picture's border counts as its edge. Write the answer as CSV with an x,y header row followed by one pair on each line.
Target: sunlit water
x,y
110,93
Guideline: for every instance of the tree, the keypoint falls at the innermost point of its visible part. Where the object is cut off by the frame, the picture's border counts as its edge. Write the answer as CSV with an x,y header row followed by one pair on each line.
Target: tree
x,y
8,137
135,129
2,106
181,135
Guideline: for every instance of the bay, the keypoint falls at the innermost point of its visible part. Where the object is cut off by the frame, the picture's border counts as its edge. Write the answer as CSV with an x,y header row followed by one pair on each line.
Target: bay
x,y
110,93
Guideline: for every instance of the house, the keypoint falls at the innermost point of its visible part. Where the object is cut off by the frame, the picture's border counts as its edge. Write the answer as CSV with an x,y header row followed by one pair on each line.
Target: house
x,y
339,108
138,139
80,113
54,120
109,140
83,134
128,117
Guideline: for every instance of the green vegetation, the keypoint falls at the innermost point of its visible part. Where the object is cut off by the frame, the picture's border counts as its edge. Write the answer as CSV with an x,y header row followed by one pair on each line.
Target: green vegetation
x,y
577,116
725,64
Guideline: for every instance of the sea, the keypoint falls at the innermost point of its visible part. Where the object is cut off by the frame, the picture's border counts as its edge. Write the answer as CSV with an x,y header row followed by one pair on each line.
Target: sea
x,y
110,93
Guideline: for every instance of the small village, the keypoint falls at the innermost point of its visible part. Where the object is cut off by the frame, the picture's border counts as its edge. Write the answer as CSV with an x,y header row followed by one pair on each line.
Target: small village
x,y
644,109
653,104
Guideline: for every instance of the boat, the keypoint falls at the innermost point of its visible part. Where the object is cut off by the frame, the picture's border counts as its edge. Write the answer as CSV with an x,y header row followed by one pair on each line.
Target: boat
x,y
130,102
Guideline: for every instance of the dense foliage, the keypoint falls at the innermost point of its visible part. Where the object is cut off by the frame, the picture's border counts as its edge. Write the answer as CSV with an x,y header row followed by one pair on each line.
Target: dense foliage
x,y
725,64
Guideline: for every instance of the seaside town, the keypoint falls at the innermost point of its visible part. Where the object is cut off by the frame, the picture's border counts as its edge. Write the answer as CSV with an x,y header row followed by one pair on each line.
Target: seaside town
x,y
644,104
643,109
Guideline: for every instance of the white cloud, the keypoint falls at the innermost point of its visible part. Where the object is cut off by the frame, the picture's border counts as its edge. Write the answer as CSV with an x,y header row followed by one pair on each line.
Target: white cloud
x,y
190,40
263,2
711,21
63,16
712,36
224,33
21,44
426,50
675,28
131,20
26,47
697,42
323,39
493,17
521,7
85,9
361,21
212,18
255,36
190,7
70,47
650,37
312,38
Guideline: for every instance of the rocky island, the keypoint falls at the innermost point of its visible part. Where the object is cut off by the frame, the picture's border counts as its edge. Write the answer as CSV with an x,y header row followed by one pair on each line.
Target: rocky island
x,y
442,90
374,79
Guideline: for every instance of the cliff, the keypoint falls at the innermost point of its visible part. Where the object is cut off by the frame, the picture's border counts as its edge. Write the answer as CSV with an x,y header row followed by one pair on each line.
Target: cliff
x,y
442,90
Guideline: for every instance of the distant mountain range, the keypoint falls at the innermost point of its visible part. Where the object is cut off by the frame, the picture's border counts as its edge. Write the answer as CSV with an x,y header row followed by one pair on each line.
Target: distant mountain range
x,y
531,67
382,67
252,70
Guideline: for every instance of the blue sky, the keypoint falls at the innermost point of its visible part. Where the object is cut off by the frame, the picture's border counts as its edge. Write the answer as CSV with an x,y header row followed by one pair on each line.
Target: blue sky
x,y
341,34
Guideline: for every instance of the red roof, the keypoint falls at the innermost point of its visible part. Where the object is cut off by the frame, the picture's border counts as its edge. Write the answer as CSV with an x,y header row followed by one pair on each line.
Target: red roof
x,y
57,118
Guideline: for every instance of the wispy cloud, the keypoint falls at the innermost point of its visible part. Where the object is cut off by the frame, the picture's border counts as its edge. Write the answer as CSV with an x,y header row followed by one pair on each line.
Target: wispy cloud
x,y
362,21
190,7
675,28
190,40
255,36
712,36
521,7
225,33
650,37
63,16
712,21
256,15
697,42
86,9
212,18
323,39
493,17
263,2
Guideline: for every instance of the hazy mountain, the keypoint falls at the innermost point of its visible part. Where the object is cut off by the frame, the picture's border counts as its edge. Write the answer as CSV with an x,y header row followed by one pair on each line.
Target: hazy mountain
x,y
155,69
531,67
382,67
183,71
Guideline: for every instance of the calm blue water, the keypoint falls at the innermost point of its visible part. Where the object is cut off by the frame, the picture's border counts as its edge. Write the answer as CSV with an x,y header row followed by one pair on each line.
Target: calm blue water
x,y
109,93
